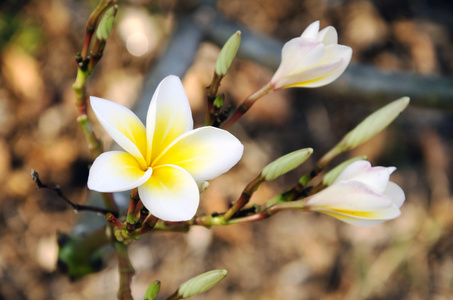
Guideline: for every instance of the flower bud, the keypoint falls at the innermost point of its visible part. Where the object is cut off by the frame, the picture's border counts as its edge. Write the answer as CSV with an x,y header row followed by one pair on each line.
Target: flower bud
x,y
227,54
368,128
202,187
152,291
312,60
106,23
332,175
200,283
361,195
286,163
374,124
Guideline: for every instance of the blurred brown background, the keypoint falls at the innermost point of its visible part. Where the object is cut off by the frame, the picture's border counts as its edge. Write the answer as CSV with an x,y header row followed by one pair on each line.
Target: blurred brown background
x,y
292,255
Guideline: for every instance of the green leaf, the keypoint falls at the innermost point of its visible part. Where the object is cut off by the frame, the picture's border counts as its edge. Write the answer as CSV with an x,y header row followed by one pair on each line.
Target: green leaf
x,y
286,163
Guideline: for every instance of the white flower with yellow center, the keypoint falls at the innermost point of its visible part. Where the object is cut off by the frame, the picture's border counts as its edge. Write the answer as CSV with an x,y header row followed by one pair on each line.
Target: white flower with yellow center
x,y
166,159
361,195
312,60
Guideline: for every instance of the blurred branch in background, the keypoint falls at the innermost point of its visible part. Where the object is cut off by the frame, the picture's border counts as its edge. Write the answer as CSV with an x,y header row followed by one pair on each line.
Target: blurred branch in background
x,y
361,82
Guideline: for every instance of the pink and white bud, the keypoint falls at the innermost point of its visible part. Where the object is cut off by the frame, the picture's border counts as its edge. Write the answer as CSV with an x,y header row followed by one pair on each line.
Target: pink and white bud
x,y
312,60
361,195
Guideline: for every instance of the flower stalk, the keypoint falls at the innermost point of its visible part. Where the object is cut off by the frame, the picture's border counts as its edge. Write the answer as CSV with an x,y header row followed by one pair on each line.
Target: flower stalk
x,y
131,219
245,106
211,96
85,68
126,271
244,198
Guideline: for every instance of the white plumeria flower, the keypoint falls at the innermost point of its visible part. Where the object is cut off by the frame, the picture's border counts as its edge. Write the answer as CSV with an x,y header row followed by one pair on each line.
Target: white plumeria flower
x,y
166,159
361,195
312,60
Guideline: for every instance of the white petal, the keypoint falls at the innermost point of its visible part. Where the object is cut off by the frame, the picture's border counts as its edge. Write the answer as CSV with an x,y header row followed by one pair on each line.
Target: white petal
x,y
298,55
354,169
169,115
365,219
116,171
312,31
122,125
205,153
396,193
376,178
334,54
350,196
315,77
171,194
328,36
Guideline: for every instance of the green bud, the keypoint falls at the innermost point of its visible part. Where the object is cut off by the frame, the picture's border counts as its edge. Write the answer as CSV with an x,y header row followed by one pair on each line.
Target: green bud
x,y
106,23
202,187
330,177
131,218
286,163
368,128
200,283
227,54
152,291
374,123
218,101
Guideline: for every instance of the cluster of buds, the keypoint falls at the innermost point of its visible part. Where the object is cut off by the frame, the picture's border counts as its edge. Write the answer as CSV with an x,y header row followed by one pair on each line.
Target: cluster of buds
x,y
167,160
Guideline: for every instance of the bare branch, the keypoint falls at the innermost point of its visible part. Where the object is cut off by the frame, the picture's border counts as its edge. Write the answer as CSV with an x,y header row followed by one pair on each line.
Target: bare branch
x,y
75,206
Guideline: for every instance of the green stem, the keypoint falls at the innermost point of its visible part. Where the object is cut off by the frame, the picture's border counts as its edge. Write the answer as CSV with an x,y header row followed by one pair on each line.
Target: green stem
x,y
219,220
244,198
329,156
94,144
93,20
211,95
245,106
131,219
126,272
79,87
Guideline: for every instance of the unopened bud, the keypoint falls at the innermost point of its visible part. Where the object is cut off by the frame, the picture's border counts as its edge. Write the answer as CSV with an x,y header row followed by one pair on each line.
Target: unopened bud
x,y
227,54
202,187
219,100
200,283
286,163
106,23
152,291
374,124
332,175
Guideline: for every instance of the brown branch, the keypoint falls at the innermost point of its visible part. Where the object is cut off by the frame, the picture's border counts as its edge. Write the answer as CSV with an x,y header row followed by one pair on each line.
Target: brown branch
x,y
58,191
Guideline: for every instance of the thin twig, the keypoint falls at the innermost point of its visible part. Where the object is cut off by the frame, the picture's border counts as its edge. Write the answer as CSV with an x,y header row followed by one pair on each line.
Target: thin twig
x,y
75,206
